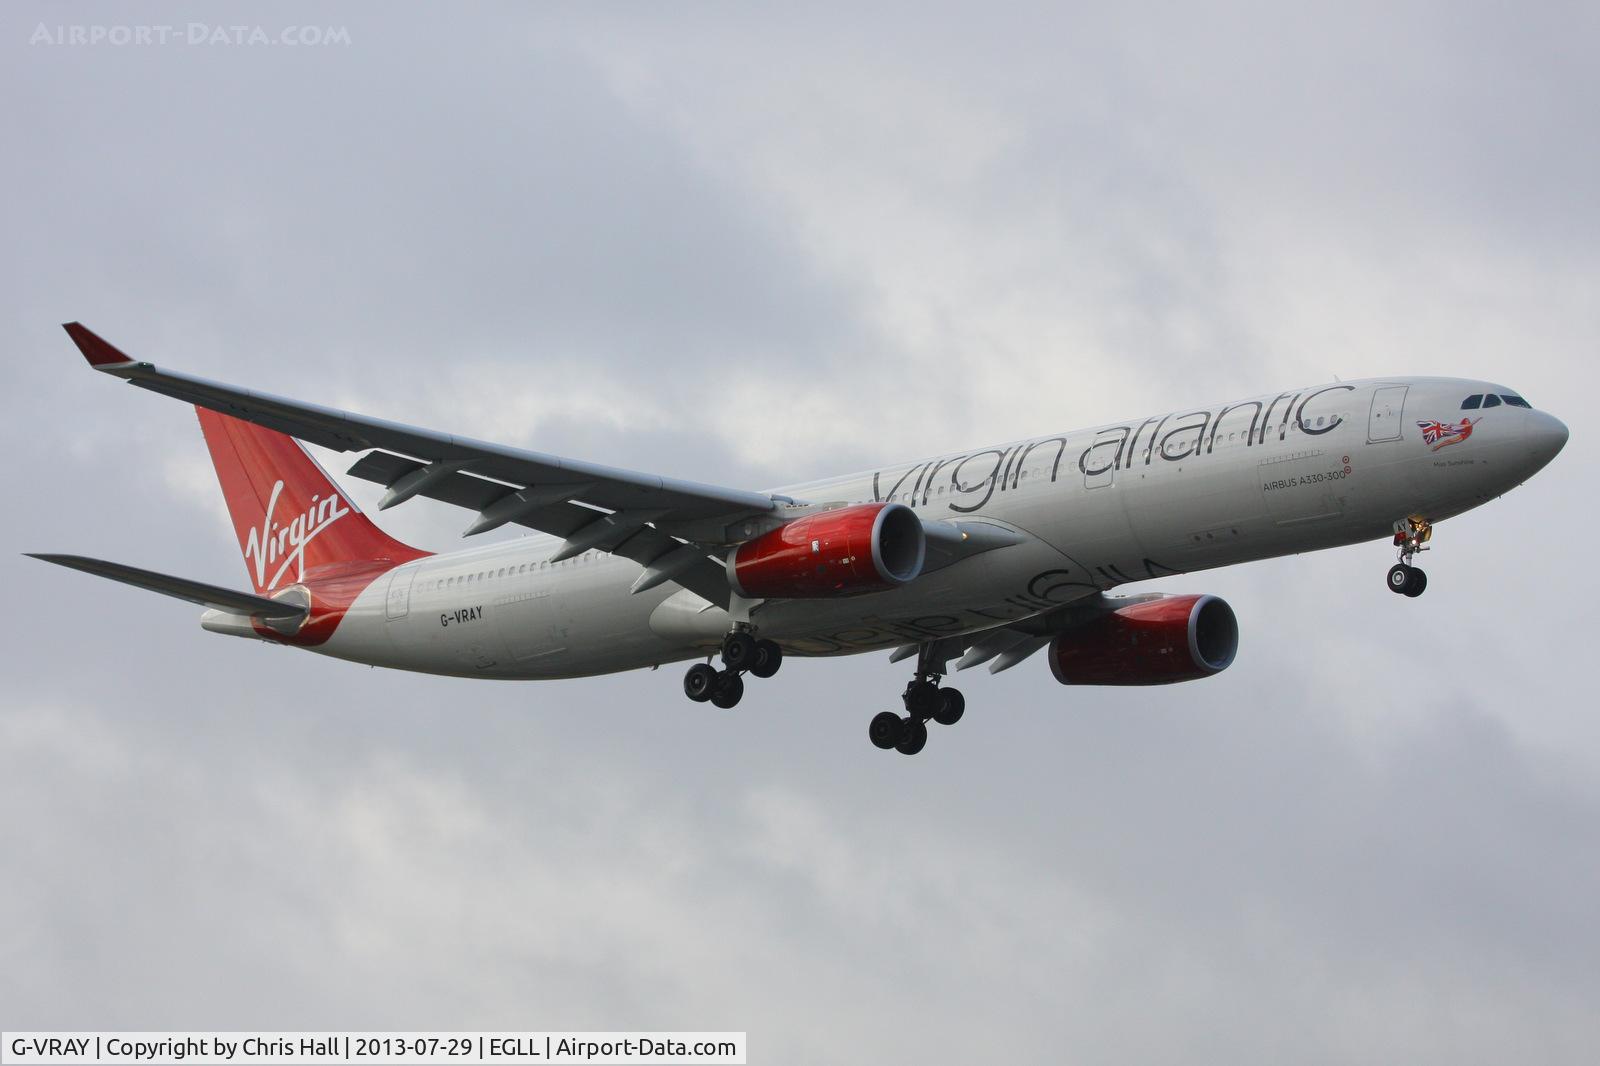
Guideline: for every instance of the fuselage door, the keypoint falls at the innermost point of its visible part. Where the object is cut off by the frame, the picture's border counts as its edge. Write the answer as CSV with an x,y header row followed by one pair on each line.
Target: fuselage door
x,y
1388,413
1100,461
399,601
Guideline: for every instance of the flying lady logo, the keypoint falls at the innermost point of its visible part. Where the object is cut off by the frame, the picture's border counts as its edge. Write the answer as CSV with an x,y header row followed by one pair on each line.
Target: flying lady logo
x,y
282,544
1444,434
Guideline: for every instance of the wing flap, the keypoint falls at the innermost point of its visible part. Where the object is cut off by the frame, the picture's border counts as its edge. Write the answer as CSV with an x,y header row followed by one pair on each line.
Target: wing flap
x,y
645,545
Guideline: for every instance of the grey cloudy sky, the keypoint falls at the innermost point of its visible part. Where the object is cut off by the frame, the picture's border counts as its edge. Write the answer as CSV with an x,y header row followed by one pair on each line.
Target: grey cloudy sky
x,y
750,245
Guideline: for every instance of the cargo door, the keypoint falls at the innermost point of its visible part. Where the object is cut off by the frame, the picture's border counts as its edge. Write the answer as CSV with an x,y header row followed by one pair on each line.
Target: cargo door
x,y
1304,486
530,615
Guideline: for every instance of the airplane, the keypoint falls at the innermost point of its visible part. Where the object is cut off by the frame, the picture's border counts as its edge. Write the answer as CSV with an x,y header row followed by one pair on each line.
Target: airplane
x,y
982,556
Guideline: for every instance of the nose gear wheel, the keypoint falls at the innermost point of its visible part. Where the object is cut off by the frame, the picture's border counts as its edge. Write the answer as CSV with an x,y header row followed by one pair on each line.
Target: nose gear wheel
x,y
1411,535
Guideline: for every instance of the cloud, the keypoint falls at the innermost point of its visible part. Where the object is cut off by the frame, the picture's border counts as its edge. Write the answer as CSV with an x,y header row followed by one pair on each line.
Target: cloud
x,y
366,884
753,247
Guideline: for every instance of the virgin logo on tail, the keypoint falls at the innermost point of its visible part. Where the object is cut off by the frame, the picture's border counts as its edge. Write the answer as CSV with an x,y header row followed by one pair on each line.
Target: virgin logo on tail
x,y
285,544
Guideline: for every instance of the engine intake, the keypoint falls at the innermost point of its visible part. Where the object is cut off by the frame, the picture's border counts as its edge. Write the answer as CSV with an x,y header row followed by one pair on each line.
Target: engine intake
x,y
866,548
1158,642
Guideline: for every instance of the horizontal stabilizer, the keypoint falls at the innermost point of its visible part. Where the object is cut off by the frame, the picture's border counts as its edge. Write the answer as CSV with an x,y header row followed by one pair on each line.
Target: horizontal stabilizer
x,y
242,603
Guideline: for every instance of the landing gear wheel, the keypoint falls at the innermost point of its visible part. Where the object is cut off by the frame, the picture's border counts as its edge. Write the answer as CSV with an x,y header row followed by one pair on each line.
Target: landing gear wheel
x,y
738,650
952,705
729,690
884,730
922,699
913,735
767,659
700,682
1411,536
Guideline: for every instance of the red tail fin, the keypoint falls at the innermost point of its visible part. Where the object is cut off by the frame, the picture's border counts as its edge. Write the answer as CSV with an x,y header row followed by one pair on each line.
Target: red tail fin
x,y
291,519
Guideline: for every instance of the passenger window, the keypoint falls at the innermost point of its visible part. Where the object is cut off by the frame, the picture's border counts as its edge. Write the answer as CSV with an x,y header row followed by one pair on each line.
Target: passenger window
x,y
1491,400
1471,402
1516,401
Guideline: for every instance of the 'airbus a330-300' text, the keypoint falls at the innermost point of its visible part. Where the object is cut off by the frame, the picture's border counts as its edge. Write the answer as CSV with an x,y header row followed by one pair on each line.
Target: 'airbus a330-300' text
x,y
984,556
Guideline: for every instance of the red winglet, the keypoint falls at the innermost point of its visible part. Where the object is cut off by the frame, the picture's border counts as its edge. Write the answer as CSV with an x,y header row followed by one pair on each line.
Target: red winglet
x,y
94,348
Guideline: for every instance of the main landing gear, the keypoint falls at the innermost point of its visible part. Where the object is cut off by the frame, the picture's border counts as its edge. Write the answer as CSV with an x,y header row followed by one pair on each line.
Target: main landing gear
x,y
1410,537
924,700
741,653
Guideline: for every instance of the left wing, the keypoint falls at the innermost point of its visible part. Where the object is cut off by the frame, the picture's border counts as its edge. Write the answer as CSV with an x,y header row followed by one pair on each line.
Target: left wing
x,y
666,525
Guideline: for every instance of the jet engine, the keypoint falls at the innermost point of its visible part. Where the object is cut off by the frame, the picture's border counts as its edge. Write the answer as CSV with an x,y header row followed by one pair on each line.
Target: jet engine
x,y
866,548
1157,642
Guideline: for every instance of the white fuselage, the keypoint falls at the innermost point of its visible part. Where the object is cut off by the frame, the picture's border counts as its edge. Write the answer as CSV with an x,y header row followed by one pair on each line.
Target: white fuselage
x,y
1200,488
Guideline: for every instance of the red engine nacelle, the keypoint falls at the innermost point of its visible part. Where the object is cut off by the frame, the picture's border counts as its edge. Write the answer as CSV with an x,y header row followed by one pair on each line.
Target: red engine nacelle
x,y
866,548
1177,638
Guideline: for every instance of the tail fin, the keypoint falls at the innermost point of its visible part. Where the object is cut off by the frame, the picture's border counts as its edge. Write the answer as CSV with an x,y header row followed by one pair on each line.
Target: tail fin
x,y
291,519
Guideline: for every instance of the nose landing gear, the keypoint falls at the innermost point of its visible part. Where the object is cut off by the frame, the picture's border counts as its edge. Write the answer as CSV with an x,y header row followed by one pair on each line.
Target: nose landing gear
x,y
741,652
924,700
1410,536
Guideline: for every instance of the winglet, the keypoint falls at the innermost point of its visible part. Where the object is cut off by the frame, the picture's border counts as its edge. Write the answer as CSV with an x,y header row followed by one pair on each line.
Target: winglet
x,y
94,347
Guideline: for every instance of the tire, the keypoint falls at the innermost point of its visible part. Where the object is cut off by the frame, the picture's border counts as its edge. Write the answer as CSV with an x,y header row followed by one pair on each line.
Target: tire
x,y
768,658
952,705
729,690
884,730
913,736
1399,578
1418,584
922,699
738,650
700,682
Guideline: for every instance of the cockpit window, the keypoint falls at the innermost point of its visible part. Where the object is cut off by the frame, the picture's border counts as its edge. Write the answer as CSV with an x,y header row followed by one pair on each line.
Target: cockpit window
x,y
1471,402
1516,401
1491,400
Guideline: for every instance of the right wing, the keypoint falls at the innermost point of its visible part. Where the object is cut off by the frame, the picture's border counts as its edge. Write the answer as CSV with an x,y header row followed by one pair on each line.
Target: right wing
x,y
677,531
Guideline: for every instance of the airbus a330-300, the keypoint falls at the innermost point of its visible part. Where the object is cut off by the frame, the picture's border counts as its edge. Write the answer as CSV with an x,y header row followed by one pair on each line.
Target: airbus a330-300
x,y
983,556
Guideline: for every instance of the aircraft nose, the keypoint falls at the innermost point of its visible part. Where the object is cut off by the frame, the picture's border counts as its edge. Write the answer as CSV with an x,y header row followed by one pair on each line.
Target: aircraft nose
x,y
1545,436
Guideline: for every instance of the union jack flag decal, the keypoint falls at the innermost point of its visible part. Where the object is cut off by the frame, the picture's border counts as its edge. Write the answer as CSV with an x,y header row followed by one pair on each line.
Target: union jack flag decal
x,y
1444,434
